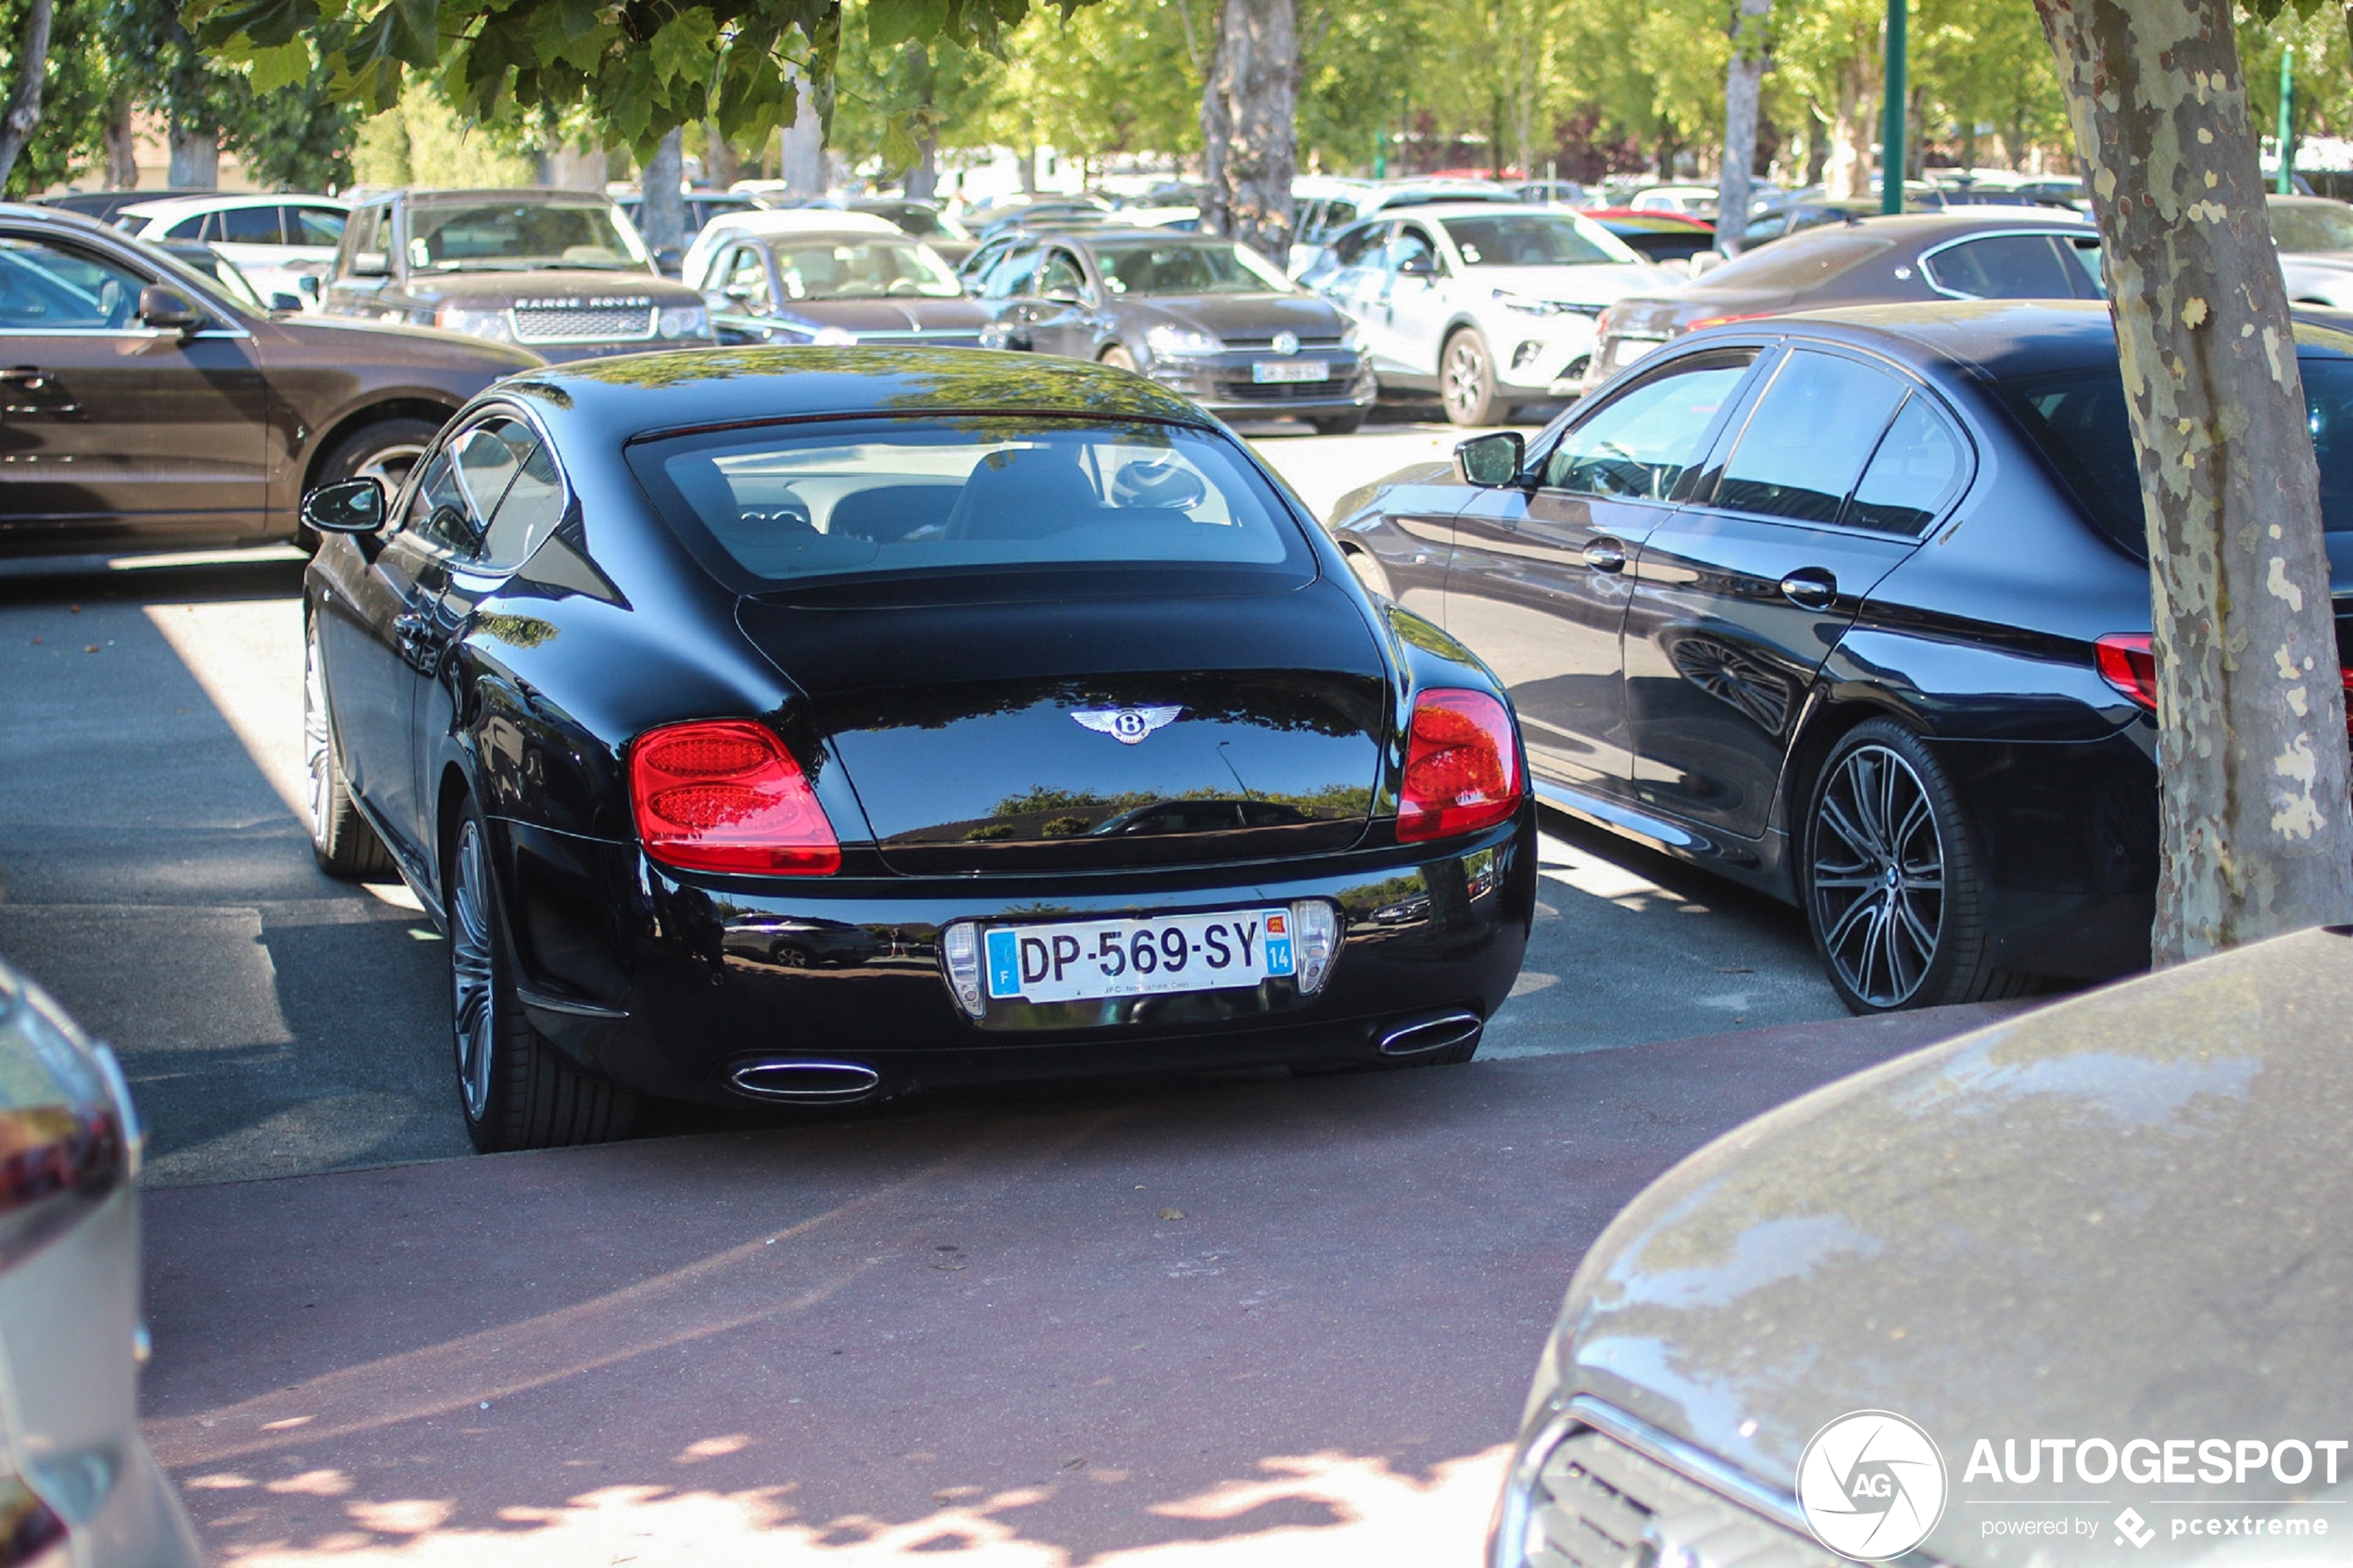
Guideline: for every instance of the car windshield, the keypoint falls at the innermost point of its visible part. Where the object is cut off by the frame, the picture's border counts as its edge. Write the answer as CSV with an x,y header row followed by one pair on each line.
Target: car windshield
x,y
513,236
2078,420
784,503
2315,227
1799,262
1143,268
1533,239
862,270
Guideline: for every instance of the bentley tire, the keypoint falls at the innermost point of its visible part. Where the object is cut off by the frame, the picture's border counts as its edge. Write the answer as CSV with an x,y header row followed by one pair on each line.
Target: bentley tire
x,y
515,1088
340,837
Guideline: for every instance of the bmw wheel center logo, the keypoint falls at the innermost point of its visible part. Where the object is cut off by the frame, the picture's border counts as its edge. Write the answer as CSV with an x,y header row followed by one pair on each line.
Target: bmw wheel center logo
x,y
1873,1486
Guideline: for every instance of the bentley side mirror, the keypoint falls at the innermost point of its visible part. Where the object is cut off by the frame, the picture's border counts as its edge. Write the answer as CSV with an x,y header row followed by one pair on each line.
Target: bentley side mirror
x,y
167,309
1490,461
348,505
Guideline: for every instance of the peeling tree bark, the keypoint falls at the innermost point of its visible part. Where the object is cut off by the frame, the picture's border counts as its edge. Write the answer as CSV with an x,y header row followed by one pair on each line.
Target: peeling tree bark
x,y
662,200
2255,830
1257,77
1744,82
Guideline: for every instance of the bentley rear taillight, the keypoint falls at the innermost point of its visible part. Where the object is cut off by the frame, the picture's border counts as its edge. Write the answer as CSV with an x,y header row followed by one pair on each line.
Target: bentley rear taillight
x,y
1462,767
724,795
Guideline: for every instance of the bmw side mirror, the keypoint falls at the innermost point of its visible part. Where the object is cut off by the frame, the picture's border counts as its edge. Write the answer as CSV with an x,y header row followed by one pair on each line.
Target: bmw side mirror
x,y
167,309
348,505
1490,461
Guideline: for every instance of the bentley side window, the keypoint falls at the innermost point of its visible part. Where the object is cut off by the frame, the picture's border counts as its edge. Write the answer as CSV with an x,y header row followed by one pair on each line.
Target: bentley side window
x,y
533,507
1644,441
436,514
1808,437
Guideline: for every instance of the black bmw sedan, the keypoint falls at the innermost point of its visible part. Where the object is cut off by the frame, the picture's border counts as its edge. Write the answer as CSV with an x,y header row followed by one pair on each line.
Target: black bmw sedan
x,y
810,725
1852,608
1203,316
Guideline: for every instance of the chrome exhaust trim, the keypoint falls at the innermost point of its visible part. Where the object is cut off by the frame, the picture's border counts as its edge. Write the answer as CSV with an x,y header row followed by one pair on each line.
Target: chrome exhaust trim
x,y
805,1083
1424,1034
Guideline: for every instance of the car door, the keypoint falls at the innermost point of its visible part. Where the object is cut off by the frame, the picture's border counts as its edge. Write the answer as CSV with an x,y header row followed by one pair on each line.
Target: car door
x,y
1420,299
1061,319
1738,599
1539,585
112,431
1006,293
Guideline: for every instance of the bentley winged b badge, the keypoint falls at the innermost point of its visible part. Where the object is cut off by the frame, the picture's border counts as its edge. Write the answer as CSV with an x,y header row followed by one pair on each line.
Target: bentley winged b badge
x,y
1127,725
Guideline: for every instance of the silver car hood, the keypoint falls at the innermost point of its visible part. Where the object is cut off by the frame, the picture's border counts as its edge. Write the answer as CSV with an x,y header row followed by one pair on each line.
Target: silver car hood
x,y
2123,1215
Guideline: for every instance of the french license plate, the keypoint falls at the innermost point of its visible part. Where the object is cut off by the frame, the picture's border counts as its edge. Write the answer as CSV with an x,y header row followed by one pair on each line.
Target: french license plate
x,y
1088,960
1269,370
1630,349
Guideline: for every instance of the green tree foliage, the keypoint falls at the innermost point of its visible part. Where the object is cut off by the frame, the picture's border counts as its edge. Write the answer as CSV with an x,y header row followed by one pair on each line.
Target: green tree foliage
x,y
422,141
74,93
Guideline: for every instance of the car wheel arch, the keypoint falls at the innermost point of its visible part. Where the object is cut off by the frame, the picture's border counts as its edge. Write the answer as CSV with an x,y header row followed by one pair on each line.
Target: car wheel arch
x,y
1823,722
328,437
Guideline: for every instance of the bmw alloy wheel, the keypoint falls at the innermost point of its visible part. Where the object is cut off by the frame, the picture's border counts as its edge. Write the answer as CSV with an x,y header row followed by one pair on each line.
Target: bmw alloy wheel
x,y
1877,876
473,1009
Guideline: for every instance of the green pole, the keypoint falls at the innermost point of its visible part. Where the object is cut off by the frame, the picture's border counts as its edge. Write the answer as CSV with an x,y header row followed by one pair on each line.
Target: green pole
x,y
1891,172
2288,125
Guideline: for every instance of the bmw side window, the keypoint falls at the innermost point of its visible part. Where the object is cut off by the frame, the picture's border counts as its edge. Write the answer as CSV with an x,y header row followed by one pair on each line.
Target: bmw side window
x,y
1645,440
1912,475
2002,267
1806,440
534,505
46,289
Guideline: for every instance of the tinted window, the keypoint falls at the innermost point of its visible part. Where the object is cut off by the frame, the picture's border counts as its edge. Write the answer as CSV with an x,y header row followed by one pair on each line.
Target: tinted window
x,y
1911,476
1808,438
45,289
1644,442
437,507
191,228
2091,276
251,226
2003,267
534,506
446,236
861,270
488,456
1360,247
1802,261
2078,420
911,495
1532,239
2316,226
314,226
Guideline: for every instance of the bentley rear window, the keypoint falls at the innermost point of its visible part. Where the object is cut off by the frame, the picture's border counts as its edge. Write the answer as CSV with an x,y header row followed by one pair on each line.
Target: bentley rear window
x,y
784,503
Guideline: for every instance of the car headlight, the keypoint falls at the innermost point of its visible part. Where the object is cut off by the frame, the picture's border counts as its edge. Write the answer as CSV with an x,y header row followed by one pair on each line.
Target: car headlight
x,y
1525,306
1168,341
683,321
476,323
833,337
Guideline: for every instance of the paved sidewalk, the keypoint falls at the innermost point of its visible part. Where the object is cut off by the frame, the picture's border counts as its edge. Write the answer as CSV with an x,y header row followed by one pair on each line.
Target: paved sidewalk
x,y
1259,1322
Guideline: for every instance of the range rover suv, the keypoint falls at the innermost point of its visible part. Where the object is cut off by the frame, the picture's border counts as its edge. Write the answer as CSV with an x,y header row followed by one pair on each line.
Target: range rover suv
x,y
561,272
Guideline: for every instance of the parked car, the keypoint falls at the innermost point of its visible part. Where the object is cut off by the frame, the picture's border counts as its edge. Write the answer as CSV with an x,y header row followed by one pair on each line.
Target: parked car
x,y
2314,237
1985,253
1488,307
834,289
283,244
81,1487
100,205
1708,592
701,207
768,222
950,239
561,272
2110,1219
1028,682
1204,316
151,410
1779,219
1551,193
1658,237
1373,199
1693,201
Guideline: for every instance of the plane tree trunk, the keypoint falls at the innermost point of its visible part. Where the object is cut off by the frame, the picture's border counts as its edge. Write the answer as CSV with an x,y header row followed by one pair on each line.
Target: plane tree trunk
x,y
2256,833
1256,83
23,111
1743,82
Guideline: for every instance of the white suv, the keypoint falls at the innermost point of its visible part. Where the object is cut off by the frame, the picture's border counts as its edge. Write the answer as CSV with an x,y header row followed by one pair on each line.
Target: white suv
x,y
1488,306
276,241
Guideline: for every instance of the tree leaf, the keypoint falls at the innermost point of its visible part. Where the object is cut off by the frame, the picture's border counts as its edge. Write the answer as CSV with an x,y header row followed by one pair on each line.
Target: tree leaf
x,y
899,149
893,22
280,67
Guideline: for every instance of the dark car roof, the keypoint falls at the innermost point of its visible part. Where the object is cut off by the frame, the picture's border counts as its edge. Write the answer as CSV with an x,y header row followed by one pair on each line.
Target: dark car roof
x,y
684,389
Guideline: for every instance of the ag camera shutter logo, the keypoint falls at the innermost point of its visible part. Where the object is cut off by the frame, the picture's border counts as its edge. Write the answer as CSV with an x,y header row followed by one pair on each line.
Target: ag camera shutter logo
x,y
1873,1486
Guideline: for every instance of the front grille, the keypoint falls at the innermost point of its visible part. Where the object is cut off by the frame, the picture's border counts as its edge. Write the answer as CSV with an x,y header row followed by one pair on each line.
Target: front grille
x,y
1283,392
583,324
1600,1504
1308,345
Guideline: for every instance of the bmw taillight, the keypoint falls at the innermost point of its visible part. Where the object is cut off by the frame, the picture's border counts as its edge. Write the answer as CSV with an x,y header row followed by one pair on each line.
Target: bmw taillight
x,y
2126,660
1462,766
723,795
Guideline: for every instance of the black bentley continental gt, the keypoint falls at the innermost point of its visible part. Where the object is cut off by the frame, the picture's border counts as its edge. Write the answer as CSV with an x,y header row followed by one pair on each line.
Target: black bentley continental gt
x,y
1852,608
816,724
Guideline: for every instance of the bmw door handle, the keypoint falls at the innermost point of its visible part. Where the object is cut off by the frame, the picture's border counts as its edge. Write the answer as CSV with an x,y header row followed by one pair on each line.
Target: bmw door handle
x,y
1605,554
1810,588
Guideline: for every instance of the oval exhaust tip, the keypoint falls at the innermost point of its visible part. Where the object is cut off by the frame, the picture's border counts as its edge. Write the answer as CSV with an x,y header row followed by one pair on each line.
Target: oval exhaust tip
x,y
805,1083
1422,1035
